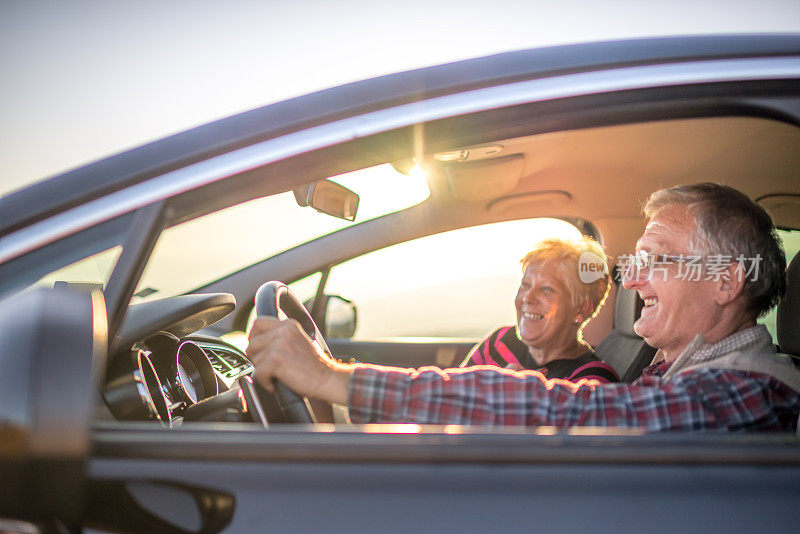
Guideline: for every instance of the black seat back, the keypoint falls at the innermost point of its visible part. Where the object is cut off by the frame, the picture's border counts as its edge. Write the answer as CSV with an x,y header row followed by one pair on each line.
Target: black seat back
x,y
622,348
788,314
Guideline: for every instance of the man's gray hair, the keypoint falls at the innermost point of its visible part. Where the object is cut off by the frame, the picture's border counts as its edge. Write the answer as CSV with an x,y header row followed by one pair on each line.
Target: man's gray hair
x,y
728,223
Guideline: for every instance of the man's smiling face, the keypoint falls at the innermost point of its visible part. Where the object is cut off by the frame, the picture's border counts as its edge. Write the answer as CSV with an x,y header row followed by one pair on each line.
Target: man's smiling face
x,y
676,309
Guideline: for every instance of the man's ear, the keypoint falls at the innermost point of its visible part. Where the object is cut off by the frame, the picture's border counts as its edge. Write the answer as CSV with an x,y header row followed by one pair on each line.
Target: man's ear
x,y
730,285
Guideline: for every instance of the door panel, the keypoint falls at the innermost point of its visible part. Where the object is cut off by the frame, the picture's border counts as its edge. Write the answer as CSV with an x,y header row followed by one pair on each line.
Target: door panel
x,y
402,353
445,480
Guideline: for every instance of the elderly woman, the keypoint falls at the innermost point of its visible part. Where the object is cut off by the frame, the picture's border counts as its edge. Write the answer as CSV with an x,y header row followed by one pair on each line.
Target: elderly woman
x,y
564,284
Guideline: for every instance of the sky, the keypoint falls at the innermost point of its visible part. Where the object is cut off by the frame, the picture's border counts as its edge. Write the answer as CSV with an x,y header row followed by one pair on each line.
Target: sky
x,y
81,80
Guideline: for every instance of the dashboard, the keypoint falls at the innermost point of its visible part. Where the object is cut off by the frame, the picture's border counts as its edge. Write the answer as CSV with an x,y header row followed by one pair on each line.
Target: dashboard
x,y
161,369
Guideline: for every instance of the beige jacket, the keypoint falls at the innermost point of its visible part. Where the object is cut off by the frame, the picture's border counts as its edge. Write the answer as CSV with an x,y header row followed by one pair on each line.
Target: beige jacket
x,y
757,356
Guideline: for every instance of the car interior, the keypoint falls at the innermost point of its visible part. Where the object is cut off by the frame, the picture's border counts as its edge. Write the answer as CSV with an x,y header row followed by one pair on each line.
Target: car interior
x,y
594,178
179,358
177,351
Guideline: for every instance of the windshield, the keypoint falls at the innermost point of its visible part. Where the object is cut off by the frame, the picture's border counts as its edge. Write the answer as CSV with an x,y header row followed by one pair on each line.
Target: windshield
x,y
200,251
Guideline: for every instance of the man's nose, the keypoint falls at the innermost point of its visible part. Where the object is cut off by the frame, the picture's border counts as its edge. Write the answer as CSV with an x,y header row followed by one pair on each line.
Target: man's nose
x,y
632,277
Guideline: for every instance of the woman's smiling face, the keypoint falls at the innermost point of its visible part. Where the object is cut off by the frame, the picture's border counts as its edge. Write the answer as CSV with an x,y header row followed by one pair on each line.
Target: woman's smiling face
x,y
546,314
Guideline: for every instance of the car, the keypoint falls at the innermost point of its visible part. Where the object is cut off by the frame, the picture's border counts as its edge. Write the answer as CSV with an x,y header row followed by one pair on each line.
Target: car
x,y
396,209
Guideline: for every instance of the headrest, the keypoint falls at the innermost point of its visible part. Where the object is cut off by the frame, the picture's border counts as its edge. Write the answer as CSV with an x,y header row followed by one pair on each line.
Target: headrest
x,y
788,317
627,308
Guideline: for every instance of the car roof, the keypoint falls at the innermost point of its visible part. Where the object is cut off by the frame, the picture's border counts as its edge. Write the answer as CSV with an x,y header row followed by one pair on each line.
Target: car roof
x,y
75,187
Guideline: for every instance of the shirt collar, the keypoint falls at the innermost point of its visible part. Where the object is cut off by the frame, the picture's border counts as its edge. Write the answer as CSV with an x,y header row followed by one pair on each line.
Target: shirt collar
x,y
737,341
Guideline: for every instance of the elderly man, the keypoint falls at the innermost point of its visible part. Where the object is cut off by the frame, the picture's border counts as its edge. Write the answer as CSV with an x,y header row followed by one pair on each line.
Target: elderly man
x,y
708,265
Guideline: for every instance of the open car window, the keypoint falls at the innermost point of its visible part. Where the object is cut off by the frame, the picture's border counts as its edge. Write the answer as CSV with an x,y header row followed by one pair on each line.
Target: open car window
x,y
457,284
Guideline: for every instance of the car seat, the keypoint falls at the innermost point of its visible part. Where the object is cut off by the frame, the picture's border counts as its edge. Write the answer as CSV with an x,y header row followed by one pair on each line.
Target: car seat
x,y
788,312
622,348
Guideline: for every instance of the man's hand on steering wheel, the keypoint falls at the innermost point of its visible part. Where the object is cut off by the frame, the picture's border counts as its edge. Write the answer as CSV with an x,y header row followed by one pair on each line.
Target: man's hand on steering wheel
x,y
282,350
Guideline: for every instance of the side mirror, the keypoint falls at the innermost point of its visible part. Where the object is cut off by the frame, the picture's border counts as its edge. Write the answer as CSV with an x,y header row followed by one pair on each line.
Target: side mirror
x,y
52,362
336,317
329,198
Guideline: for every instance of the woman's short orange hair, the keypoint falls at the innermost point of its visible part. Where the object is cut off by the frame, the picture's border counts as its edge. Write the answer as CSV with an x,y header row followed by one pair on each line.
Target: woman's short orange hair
x,y
571,256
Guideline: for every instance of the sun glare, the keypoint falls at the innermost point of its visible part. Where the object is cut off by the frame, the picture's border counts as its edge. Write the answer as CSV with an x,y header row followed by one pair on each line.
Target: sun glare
x,y
382,189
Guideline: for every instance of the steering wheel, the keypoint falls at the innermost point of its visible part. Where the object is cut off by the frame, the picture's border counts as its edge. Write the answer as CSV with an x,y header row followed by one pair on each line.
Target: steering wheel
x,y
274,299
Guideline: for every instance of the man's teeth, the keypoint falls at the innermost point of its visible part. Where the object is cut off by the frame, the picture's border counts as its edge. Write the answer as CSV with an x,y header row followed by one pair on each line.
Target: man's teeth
x,y
534,316
650,301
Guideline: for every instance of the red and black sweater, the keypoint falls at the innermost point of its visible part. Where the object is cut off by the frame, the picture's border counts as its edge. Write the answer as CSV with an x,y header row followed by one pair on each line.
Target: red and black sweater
x,y
503,347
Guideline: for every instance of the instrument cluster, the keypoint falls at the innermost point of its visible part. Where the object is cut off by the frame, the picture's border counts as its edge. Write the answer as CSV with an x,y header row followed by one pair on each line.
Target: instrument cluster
x,y
164,375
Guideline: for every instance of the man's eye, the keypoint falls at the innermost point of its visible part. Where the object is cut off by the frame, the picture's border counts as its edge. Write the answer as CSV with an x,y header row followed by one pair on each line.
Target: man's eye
x,y
641,259
548,290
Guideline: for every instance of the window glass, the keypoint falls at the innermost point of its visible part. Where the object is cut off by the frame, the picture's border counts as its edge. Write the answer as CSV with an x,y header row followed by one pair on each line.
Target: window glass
x,y
84,259
200,251
790,239
306,288
93,271
457,284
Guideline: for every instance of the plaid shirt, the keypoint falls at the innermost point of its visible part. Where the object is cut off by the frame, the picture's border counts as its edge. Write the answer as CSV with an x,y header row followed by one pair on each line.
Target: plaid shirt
x,y
703,398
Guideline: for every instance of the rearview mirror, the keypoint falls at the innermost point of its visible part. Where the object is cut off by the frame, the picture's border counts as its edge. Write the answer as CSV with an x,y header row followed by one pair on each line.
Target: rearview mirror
x,y
329,198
